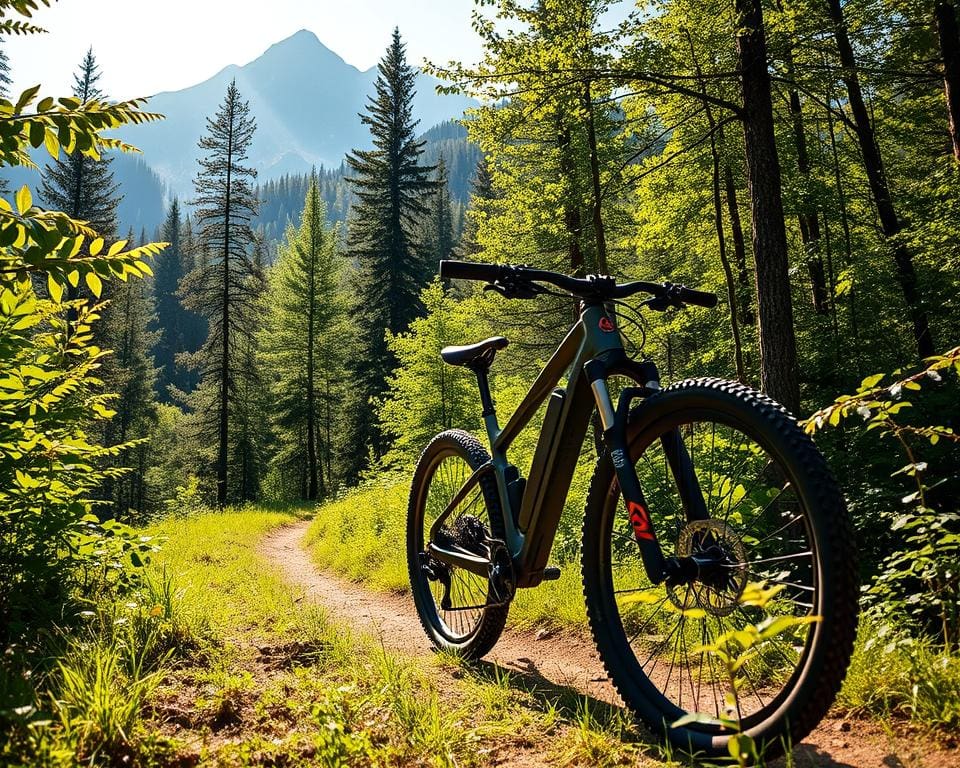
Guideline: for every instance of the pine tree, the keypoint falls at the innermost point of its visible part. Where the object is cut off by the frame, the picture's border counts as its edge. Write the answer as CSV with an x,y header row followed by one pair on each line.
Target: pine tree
x,y
438,239
4,73
300,353
194,325
167,273
129,371
391,200
79,185
221,289
248,437
481,193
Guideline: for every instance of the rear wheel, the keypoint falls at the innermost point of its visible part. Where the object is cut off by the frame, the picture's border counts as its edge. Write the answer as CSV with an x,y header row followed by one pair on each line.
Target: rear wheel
x,y
773,515
460,611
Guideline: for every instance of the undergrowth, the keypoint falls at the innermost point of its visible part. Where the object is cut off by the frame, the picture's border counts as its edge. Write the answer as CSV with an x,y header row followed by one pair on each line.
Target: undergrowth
x,y
362,536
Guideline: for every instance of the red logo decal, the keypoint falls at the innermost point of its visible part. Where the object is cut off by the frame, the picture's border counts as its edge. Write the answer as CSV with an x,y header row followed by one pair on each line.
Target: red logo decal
x,y
606,324
640,520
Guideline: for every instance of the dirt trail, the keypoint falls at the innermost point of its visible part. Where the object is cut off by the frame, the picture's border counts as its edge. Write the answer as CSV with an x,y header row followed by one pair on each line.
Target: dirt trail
x,y
568,661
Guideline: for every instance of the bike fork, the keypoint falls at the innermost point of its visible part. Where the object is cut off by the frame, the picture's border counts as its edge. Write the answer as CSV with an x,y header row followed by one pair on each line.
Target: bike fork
x,y
658,568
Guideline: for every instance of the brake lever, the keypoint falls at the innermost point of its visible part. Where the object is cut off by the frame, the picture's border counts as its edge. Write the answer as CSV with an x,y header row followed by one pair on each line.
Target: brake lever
x,y
514,289
666,300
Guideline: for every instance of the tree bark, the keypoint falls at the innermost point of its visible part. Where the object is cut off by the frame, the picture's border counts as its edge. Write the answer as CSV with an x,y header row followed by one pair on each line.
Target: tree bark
x,y
224,434
739,246
890,223
778,352
808,218
946,16
732,299
598,229
571,210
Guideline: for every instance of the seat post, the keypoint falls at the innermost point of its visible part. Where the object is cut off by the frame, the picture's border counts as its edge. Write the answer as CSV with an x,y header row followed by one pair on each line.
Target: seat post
x,y
483,382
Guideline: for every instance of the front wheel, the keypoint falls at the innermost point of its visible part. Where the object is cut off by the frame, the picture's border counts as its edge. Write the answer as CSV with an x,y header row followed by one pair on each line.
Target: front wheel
x,y
771,514
459,610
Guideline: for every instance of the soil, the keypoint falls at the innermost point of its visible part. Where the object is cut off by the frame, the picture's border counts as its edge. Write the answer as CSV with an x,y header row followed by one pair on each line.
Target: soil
x,y
567,661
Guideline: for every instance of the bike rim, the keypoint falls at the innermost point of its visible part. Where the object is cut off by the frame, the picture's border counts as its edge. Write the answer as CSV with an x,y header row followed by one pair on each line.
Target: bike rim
x,y
468,591
759,518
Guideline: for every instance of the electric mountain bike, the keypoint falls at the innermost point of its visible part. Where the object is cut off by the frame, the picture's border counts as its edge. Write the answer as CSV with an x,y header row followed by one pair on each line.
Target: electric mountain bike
x,y
702,489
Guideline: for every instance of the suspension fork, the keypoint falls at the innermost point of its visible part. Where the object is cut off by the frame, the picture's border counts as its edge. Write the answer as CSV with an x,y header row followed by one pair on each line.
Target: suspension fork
x,y
658,568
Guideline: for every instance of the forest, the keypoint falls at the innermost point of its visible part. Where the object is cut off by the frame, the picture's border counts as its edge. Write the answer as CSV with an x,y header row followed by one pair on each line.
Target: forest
x,y
272,355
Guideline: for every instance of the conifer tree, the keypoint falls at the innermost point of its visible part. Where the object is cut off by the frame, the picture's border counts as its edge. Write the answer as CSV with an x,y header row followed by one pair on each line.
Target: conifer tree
x,y
300,354
222,289
4,73
79,185
167,273
391,188
481,193
130,372
438,230
194,324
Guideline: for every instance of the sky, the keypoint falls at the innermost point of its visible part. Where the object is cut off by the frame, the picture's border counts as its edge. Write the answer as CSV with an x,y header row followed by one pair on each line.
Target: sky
x,y
148,46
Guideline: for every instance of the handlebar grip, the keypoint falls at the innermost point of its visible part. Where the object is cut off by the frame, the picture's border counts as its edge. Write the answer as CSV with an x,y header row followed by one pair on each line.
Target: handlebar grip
x,y
469,270
699,298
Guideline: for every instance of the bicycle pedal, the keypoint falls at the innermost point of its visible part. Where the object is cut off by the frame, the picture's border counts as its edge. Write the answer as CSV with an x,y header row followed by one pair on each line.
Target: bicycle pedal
x,y
551,573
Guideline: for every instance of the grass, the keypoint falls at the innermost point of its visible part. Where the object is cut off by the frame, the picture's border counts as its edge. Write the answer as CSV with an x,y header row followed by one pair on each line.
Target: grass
x,y
217,662
362,537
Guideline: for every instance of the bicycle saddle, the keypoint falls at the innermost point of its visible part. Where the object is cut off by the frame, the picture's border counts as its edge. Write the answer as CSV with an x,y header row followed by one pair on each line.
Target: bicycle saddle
x,y
479,355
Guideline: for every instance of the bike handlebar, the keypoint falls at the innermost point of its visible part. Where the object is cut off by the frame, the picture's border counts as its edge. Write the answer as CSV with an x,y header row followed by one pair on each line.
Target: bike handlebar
x,y
597,287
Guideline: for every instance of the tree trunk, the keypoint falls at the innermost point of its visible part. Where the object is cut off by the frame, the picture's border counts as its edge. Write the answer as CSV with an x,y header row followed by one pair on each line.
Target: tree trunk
x,y
946,16
571,210
311,395
225,333
873,165
778,352
718,222
598,228
847,242
808,218
739,246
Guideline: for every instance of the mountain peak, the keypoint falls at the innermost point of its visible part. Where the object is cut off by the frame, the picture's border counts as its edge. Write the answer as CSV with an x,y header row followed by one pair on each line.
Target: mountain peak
x,y
302,43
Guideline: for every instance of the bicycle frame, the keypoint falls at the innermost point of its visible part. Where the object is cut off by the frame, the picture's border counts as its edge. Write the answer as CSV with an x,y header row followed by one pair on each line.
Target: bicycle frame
x,y
591,351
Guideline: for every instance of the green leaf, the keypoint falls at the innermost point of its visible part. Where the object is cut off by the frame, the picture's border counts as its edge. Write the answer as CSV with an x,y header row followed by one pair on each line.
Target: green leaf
x,y
37,132
56,290
94,283
51,143
26,97
24,199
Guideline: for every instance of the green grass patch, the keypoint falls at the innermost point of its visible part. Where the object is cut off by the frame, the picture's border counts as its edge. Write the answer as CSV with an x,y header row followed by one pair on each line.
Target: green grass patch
x,y
362,536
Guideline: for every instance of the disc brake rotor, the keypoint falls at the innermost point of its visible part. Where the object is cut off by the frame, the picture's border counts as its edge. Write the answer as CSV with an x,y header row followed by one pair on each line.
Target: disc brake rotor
x,y
718,595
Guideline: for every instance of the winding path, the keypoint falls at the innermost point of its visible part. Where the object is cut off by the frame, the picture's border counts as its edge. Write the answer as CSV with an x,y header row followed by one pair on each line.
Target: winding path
x,y
565,662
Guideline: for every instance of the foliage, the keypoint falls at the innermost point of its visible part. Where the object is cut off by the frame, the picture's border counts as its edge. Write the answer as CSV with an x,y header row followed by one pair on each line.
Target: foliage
x,y
931,528
129,372
425,395
895,673
301,339
81,186
224,290
734,649
49,464
391,186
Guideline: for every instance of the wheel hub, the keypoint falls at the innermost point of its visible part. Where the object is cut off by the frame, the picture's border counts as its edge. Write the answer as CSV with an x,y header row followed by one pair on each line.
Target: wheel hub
x,y
715,550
